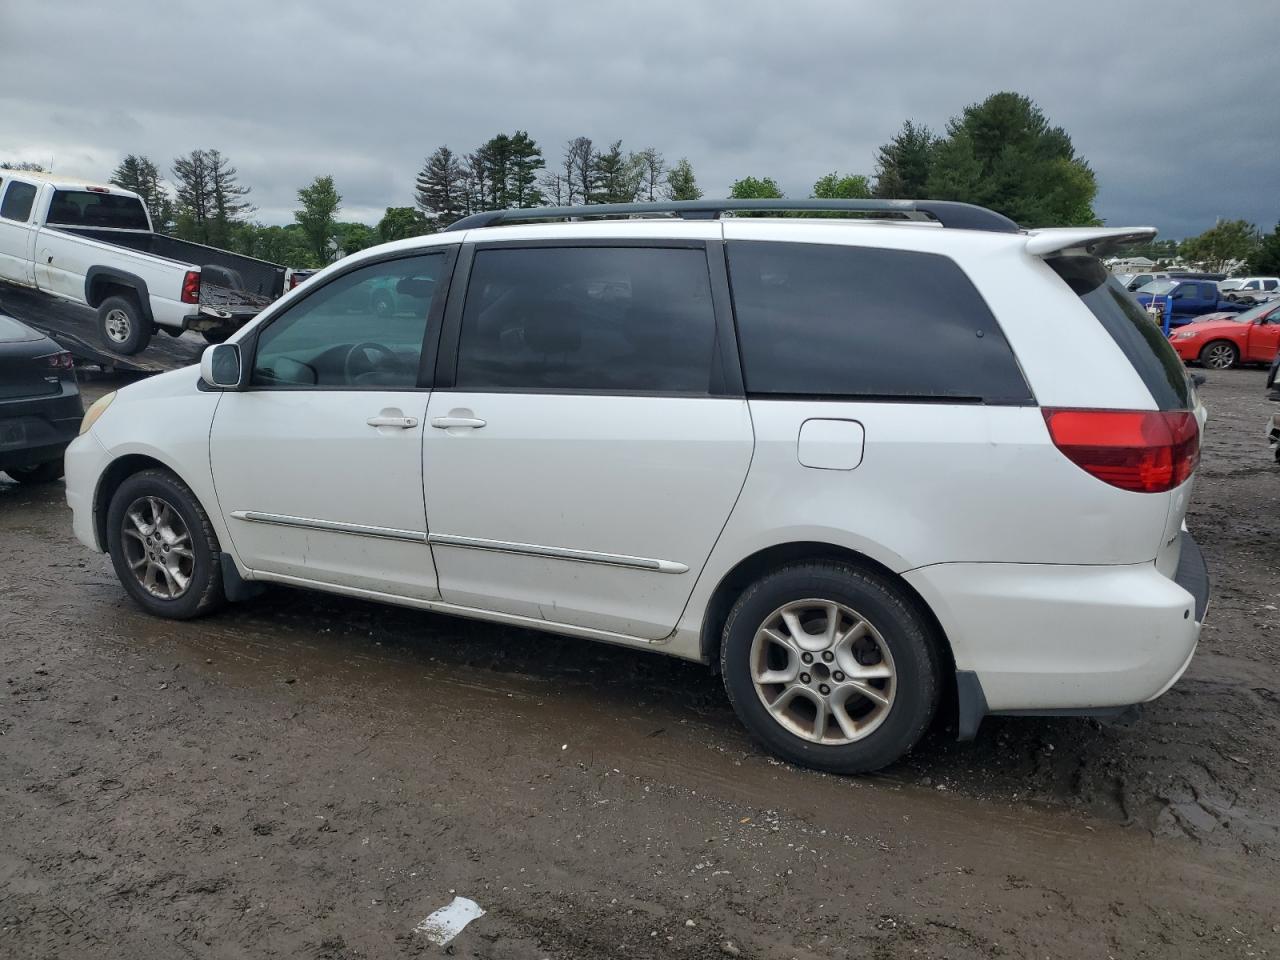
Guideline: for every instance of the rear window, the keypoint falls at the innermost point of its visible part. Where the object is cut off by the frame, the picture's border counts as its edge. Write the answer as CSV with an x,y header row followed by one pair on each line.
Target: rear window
x,y
17,201
857,322
1132,328
84,208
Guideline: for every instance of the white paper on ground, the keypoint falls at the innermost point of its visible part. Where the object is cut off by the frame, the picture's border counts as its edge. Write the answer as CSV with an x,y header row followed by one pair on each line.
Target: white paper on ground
x,y
447,922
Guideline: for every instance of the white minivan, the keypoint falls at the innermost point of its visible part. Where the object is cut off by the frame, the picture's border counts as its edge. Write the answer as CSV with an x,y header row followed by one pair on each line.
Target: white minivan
x,y
862,467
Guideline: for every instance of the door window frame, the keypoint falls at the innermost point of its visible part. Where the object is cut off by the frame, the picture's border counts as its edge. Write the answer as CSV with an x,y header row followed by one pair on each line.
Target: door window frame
x,y
431,335
724,374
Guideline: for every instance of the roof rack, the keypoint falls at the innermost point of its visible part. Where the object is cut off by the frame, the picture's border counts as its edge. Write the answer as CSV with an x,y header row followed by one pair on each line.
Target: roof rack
x,y
949,213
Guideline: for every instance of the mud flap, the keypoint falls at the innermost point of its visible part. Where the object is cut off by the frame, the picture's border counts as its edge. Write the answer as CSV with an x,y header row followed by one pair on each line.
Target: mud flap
x,y
236,587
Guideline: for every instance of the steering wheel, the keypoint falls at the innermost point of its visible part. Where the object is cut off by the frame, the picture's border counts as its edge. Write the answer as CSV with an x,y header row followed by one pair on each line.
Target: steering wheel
x,y
371,355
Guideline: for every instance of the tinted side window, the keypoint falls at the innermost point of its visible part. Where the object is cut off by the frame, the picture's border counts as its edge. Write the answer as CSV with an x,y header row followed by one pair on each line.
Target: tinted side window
x,y
600,319
17,201
1269,284
1139,338
364,329
820,320
1208,291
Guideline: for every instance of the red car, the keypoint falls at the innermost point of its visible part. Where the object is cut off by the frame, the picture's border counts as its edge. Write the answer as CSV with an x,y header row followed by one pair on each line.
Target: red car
x,y
1221,340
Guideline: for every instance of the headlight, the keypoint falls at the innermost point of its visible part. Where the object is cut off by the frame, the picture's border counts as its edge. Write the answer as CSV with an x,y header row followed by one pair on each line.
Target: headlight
x,y
96,409
1184,335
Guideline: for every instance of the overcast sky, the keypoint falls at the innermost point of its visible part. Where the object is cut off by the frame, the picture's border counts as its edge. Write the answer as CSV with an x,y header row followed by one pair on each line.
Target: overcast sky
x,y
1176,110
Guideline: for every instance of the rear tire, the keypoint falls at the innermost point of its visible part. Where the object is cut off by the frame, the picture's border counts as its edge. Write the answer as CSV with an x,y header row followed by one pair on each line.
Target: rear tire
x,y
46,472
1219,355
163,547
848,699
122,327
216,336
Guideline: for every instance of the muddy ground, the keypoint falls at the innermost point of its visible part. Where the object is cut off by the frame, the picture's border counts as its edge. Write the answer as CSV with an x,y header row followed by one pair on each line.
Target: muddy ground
x,y
305,776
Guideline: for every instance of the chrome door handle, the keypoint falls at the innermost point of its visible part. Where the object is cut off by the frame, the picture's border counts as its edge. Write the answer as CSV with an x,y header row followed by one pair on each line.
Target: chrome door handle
x,y
444,423
404,423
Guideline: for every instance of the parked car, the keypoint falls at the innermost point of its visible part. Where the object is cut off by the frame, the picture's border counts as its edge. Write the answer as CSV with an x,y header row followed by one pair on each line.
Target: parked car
x,y
1222,340
717,439
1189,299
40,406
1139,280
1249,289
93,244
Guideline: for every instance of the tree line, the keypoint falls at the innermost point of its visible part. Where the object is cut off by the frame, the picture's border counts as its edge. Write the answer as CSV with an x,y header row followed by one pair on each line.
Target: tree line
x,y
1002,153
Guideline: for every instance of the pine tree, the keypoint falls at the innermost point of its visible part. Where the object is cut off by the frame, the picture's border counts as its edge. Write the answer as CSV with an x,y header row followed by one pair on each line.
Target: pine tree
x,y
209,201
194,196
617,176
904,163
441,188
140,175
681,183
227,195
652,166
579,171
522,180
1003,154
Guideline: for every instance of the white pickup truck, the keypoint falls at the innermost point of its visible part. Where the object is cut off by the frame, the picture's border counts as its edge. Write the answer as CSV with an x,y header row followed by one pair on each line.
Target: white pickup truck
x,y
93,244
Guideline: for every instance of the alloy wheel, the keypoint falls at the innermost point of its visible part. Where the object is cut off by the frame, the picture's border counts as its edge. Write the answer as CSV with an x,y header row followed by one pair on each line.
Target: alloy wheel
x,y
157,547
823,671
1219,356
118,326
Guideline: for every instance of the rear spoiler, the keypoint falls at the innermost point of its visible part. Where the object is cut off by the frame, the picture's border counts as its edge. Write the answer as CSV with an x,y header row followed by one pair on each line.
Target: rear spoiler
x,y
1096,241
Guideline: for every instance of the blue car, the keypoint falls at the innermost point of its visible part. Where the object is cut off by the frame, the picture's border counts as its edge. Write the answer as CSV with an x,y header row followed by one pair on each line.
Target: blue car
x,y
1191,299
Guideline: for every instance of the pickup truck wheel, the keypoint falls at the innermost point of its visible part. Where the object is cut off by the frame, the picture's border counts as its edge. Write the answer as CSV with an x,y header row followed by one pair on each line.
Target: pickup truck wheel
x,y
831,666
122,327
1219,355
163,548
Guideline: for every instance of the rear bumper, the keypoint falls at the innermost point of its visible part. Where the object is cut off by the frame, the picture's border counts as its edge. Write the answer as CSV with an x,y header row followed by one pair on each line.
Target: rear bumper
x,y
1058,639
46,425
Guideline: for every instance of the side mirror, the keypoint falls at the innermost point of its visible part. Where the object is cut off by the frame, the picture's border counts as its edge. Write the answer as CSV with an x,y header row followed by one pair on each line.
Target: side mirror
x,y
220,366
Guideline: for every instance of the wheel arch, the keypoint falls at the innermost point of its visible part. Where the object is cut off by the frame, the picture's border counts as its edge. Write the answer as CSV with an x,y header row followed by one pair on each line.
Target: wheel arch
x,y
766,559
103,282
116,473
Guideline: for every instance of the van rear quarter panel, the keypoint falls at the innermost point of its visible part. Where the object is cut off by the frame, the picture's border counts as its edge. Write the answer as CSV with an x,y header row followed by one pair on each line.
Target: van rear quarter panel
x,y
952,483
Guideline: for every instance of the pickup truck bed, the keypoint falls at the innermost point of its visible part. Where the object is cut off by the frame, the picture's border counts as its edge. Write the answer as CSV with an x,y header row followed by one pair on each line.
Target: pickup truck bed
x,y
257,279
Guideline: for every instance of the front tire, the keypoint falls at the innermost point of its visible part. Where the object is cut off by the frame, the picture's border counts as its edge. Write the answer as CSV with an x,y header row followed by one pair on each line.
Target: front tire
x,y
122,327
163,547
1219,355
46,472
831,666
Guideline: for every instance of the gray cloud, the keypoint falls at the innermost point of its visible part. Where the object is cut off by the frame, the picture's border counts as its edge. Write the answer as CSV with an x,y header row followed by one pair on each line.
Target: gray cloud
x,y
789,90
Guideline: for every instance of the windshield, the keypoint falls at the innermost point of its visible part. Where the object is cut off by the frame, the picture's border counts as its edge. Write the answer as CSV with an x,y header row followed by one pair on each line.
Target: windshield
x,y
84,208
1158,288
1253,313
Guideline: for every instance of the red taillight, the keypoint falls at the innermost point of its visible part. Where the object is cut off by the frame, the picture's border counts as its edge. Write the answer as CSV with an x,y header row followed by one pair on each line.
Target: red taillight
x,y
1146,451
58,361
191,287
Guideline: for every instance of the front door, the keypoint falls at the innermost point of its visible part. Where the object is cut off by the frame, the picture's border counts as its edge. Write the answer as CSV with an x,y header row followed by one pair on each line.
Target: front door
x,y
1264,339
582,464
318,463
